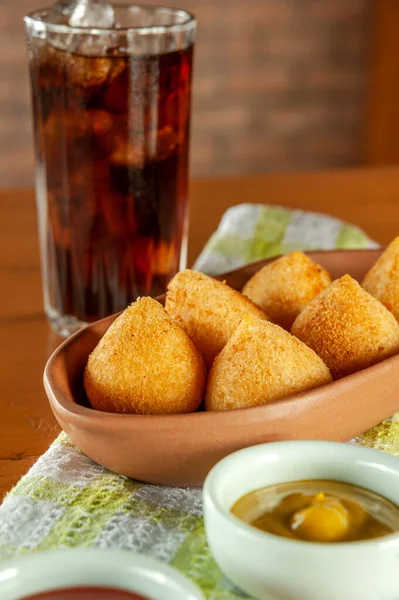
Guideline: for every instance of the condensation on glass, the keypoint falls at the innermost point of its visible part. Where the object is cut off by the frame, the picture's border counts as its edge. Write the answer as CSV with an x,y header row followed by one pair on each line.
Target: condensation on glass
x,y
111,117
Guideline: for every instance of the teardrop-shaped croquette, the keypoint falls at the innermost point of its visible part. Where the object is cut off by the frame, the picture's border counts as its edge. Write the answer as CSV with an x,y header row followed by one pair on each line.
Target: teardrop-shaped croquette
x,y
348,328
260,363
209,310
284,287
145,364
382,281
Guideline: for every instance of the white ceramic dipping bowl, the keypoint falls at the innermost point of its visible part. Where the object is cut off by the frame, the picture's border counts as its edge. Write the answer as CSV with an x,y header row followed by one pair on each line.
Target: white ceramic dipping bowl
x,y
275,568
57,569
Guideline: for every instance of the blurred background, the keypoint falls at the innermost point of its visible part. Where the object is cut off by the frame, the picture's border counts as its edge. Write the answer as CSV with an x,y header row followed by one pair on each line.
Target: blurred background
x,y
279,85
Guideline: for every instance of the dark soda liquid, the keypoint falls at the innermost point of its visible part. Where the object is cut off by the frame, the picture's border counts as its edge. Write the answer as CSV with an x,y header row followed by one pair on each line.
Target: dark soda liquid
x,y
112,135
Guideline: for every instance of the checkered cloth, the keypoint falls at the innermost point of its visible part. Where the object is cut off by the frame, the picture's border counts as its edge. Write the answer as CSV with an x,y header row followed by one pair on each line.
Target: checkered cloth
x,y
66,500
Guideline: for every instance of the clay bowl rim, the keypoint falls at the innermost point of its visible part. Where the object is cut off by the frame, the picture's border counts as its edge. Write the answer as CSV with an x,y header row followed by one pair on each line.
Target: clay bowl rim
x,y
76,413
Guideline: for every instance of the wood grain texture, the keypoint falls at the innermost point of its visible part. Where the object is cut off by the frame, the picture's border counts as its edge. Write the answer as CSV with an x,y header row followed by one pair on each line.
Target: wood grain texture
x,y
278,85
366,197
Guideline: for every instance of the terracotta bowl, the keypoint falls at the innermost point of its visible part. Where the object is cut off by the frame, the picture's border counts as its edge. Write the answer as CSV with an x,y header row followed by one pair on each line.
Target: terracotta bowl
x,y
179,450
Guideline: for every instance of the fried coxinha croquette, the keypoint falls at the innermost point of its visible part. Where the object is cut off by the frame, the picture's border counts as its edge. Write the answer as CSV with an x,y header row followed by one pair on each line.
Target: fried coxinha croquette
x,y
145,364
284,287
260,363
348,328
209,310
382,280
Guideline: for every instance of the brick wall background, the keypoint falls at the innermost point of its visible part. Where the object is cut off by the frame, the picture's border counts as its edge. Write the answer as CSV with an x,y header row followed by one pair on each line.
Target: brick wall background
x,y
279,84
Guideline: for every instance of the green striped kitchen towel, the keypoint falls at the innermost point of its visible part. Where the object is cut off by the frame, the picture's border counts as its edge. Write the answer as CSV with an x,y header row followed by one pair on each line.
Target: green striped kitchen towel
x,y
250,232
67,501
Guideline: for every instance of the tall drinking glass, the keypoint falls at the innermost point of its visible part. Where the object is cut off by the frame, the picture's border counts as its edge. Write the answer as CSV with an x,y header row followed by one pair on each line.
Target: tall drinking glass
x,y
111,113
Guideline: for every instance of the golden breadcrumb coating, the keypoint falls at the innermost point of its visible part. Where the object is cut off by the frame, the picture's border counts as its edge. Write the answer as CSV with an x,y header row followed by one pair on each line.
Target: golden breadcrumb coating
x,y
145,364
260,363
284,287
348,328
209,310
382,281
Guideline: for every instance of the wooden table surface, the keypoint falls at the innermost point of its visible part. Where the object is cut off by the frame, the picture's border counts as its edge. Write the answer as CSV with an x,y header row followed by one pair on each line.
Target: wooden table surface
x,y
369,198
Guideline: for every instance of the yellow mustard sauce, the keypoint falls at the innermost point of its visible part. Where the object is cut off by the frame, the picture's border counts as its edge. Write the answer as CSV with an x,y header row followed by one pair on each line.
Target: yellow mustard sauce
x,y
319,511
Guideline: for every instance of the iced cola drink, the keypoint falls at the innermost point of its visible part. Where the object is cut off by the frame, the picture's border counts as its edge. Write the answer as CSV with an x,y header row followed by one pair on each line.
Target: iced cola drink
x,y
112,118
